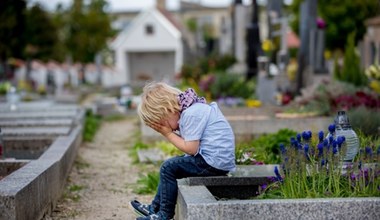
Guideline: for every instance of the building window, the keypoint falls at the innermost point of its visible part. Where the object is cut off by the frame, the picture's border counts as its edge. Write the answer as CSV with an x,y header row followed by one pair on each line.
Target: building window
x,y
149,30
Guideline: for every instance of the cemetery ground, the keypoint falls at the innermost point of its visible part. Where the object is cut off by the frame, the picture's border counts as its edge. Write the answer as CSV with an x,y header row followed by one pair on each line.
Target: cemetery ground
x,y
103,177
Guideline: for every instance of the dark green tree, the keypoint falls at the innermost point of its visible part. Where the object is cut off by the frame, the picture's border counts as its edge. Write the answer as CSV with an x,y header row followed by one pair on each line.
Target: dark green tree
x,y
12,27
89,28
342,17
351,71
12,41
42,36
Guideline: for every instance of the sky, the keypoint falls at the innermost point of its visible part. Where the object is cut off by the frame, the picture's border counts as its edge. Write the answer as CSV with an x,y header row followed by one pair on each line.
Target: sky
x,y
121,5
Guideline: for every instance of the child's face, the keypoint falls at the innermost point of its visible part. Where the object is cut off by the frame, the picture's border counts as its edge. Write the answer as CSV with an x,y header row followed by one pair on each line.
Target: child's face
x,y
172,120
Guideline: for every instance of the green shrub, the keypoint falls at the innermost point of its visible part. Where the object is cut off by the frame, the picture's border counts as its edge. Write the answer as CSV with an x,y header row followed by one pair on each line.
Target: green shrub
x,y
232,85
136,147
91,126
366,120
264,148
351,71
148,183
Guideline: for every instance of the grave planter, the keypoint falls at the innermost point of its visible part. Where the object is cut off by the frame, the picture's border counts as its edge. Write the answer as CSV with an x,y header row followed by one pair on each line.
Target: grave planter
x,y
197,200
9,166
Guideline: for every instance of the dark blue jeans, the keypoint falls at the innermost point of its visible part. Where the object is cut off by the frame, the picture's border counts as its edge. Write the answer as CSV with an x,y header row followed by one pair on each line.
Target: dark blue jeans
x,y
178,168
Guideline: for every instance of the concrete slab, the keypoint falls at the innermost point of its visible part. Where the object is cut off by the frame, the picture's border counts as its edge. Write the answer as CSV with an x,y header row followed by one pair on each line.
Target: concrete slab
x,y
36,122
54,131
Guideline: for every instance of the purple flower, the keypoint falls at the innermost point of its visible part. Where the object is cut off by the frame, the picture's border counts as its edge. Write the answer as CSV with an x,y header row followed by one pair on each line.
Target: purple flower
x,y
335,149
264,186
298,137
321,24
331,140
320,149
306,135
325,143
293,142
321,135
323,162
310,134
368,151
306,151
332,128
277,173
282,148
340,140
353,177
299,146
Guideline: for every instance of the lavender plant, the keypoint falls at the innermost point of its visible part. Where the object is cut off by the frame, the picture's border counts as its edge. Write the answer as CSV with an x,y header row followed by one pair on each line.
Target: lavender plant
x,y
312,167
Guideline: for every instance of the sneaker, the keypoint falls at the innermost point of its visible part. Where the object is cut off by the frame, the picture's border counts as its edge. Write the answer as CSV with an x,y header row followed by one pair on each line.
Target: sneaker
x,y
152,217
141,209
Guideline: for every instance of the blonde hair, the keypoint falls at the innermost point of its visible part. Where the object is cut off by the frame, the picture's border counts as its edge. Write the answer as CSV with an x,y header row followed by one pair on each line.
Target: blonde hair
x,y
157,101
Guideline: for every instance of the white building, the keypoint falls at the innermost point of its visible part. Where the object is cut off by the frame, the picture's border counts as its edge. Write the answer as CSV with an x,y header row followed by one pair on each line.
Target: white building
x,y
149,49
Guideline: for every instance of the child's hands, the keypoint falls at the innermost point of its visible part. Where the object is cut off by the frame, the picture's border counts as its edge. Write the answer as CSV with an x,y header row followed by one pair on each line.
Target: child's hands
x,y
163,128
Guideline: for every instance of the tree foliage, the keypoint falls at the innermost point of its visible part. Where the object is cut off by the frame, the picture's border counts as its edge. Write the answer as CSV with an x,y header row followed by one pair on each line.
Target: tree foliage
x,y
89,28
82,30
42,39
12,24
342,18
351,71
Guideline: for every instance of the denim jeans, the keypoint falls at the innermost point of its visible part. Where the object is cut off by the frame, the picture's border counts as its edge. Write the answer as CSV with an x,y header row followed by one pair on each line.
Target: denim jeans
x,y
178,168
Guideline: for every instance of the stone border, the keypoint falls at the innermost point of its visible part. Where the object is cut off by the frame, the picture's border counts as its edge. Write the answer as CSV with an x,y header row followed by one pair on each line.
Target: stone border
x,y
195,201
33,190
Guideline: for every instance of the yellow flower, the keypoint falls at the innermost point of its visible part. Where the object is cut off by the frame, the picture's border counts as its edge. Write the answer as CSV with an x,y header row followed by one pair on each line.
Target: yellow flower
x,y
252,103
327,54
267,45
375,85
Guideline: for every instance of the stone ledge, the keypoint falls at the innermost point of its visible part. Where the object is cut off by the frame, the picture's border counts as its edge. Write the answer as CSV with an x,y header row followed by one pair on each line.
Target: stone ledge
x,y
32,190
196,200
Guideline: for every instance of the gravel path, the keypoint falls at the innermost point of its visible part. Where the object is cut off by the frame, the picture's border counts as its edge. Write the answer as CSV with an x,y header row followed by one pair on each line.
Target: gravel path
x,y
103,177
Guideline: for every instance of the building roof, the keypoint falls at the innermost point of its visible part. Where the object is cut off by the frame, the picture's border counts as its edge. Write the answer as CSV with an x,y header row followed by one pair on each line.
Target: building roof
x,y
375,21
160,15
292,40
169,16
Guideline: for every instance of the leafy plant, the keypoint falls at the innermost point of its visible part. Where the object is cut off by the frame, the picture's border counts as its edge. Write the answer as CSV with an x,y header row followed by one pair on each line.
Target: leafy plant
x,y
168,148
148,183
351,71
91,126
231,85
5,87
263,149
136,147
365,120
72,192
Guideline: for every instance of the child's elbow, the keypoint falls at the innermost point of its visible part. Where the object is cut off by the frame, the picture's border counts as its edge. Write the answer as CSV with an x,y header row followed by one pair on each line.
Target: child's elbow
x,y
192,147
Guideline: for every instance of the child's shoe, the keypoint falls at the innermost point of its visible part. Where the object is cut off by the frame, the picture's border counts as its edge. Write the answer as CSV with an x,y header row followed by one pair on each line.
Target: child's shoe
x,y
141,209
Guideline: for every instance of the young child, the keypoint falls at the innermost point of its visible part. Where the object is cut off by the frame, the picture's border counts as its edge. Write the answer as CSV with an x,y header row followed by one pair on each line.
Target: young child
x,y
204,136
